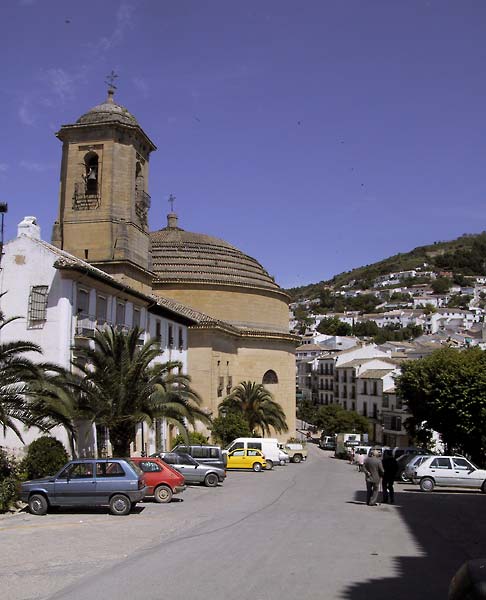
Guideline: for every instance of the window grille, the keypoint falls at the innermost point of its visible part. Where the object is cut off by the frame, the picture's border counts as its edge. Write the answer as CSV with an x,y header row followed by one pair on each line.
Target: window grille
x,y
38,303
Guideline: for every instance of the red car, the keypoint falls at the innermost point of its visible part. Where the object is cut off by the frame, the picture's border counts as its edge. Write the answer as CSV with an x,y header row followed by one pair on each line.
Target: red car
x,y
161,479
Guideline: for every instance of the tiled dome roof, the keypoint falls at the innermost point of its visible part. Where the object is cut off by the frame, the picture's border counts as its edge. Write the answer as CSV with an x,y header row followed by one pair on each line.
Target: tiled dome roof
x,y
108,112
180,256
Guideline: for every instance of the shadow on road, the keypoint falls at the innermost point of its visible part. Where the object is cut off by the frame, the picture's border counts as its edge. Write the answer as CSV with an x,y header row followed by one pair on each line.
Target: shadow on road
x,y
449,527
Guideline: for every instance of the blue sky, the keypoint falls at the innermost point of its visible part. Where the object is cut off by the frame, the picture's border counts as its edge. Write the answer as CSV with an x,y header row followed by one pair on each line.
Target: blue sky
x,y
316,136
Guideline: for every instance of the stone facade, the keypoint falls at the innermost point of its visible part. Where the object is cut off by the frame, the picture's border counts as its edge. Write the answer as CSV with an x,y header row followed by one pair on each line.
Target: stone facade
x,y
241,329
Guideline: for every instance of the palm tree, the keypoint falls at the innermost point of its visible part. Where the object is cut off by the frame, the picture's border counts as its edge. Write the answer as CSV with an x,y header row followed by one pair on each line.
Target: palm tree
x,y
121,389
258,407
18,376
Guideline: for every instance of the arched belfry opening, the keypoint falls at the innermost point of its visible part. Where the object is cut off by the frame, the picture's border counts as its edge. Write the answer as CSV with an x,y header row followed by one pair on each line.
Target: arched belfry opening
x,y
91,173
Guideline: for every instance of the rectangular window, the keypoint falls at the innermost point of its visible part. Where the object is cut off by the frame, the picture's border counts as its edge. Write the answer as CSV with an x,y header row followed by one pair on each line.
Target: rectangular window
x,y
38,303
82,304
120,312
171,336
158,331
365,388
181,338
109,469
386,400
101,309
375,388
136,317
365,409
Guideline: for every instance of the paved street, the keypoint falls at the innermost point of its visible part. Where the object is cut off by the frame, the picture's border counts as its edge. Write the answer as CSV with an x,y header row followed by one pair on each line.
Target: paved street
x,y
300,531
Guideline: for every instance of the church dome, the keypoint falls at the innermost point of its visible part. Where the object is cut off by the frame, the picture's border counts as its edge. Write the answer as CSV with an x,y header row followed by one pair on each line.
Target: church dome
x,y
108,112
180,257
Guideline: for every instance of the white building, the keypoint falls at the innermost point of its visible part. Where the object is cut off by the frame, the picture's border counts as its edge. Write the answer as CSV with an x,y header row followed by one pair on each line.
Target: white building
x,y
60,300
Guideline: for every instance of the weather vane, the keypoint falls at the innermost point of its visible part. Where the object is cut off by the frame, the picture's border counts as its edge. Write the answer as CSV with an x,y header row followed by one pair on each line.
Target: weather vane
x,y
171,202
110,81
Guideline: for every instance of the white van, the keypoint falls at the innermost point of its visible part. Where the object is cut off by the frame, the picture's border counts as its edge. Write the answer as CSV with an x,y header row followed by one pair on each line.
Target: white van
x,y
269,447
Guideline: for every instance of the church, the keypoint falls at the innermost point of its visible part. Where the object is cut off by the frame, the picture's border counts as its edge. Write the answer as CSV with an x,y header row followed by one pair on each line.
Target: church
x,y
237,316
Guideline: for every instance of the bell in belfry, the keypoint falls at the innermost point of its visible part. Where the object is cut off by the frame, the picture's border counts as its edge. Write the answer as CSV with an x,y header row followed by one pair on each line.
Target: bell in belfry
x,y
92,175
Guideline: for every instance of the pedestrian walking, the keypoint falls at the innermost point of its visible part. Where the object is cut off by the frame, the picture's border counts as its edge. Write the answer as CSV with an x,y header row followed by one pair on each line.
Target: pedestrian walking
x,y
360,460
390,468
373,470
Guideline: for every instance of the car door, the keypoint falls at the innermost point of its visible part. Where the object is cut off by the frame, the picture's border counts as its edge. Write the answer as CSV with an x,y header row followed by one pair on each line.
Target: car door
x,y
188,467
466,474
237,459
441,470
110,478
75,485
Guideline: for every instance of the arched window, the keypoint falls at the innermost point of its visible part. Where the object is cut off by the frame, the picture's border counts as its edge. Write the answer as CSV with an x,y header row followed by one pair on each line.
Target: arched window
x,y
270,377
91,166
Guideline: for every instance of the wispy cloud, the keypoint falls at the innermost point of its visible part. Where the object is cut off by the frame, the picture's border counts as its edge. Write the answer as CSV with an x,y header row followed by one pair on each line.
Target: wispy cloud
x,y
26,113
142,86
61,84
3,167
36,167
123,21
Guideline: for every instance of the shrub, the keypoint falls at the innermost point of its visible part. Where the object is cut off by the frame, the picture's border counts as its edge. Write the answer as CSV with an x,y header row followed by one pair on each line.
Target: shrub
x,y
194,438
9,483
9,488
45,456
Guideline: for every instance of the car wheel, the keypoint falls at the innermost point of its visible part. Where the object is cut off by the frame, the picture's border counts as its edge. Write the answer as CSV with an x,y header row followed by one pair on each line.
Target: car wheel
x,y
163,494
257,467
269,465
297,458
120,505
38,504
427,484
483,487
211,480
403,477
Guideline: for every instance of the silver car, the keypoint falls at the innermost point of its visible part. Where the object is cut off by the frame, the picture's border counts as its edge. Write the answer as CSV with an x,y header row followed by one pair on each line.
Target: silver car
x,y
193,471
449,471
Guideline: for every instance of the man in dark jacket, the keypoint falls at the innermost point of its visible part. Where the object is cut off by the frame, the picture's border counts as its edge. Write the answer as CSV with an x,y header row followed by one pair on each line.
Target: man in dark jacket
x,y
373,470
390,467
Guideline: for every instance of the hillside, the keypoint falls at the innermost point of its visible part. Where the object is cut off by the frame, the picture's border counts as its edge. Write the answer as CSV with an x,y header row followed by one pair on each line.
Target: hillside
x,y
464,256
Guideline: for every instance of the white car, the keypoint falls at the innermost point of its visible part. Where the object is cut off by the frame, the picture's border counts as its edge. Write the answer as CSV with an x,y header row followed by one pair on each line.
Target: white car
x,y
449,471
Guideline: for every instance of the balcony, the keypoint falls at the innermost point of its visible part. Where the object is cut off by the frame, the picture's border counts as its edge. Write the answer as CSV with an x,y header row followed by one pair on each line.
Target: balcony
x,y
84,200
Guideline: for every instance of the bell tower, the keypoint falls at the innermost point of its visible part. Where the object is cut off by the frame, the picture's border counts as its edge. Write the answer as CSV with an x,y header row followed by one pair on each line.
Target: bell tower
x,y
104,200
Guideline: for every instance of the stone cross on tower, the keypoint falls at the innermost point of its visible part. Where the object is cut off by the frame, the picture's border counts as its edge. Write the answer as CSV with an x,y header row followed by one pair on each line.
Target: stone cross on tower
x,y
171,202
110,81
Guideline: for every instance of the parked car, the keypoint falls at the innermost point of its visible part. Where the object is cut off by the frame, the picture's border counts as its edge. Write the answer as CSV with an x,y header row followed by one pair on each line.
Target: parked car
x,y
246,458
205,455
397,451
268,446
450,471
113,482
192,470
410,465
327,442
161,479
296,452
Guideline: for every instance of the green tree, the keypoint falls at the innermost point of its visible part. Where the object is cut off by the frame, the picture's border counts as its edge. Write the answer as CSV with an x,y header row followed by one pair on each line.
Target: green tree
x,y
365,329
194,438
446,392
333,326
459,301
306,411
229,426
257,405
333,419
120,388
441,285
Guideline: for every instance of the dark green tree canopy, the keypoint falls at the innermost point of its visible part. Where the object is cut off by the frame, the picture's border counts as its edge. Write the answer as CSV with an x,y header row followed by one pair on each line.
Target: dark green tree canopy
x,y
446,392
334,419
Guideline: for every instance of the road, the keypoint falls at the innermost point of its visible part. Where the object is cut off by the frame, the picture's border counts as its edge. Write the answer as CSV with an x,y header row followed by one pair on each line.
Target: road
x,y
299,531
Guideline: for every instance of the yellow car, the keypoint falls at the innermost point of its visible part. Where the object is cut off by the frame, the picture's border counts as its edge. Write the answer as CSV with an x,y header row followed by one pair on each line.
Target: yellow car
x,y
246,459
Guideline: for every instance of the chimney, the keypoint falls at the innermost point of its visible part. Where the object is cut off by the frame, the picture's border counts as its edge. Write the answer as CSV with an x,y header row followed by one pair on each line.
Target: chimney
x,y
28,226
